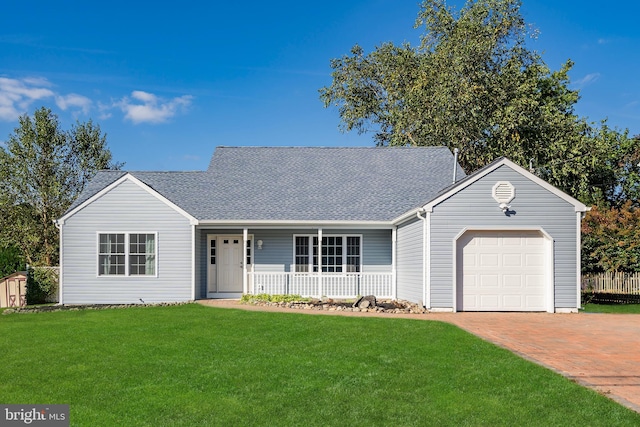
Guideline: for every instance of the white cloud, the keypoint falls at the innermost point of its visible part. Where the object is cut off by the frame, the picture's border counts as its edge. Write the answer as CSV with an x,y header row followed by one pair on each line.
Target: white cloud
x,y
145,107
74,100
16,95
587,80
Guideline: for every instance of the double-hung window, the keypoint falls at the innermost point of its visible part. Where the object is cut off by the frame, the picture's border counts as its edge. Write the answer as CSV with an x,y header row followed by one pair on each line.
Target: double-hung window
x,y
127,254
337,254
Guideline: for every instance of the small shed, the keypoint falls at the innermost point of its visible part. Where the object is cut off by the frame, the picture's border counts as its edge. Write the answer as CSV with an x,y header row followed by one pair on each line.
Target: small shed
x,y
13,290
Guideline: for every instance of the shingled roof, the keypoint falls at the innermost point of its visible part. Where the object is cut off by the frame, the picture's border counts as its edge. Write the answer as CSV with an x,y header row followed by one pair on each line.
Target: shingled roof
x,y
301,183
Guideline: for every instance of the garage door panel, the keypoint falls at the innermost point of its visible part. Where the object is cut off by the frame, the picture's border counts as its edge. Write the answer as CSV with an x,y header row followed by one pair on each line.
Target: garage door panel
x,y
512,281
502,271
535,301
488,301
534,241
512,260
534,260
471,301
488,260
488,241
470,260
534,281
488,281
512,301
513,241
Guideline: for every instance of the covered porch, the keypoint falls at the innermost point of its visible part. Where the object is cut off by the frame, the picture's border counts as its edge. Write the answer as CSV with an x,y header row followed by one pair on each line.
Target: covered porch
x,y
336,262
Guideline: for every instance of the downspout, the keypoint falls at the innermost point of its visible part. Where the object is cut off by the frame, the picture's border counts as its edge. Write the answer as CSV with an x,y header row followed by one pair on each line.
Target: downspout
x,y
426,292
455,165
193,262
394,263
59,227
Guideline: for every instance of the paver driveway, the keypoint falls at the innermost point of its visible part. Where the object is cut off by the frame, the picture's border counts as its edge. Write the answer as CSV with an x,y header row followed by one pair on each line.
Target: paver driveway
x,y
601,351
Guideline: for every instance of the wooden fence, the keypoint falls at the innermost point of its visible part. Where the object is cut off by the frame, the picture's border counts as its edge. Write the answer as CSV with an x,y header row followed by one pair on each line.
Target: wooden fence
x,y
613,283
611,288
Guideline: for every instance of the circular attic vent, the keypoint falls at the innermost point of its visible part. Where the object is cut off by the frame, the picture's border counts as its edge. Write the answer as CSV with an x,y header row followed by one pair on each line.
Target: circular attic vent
x,y
503,192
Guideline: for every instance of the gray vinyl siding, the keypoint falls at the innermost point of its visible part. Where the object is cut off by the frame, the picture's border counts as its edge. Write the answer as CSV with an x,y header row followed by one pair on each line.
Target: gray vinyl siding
x,y
409,258
474,206
126,208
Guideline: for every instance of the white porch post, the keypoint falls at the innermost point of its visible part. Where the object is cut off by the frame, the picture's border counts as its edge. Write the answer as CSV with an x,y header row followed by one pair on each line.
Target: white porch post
x,y
394,284
319,262
245,284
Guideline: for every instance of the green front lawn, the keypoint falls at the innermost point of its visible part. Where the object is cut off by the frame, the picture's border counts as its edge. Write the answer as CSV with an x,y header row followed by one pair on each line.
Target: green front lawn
x,y
612,308
194,365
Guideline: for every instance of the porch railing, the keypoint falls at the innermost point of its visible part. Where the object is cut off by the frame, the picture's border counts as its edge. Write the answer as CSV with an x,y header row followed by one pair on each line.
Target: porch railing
x,y
332,285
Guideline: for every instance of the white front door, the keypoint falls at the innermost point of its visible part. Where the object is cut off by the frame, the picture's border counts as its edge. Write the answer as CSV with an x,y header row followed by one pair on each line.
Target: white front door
x,y
230,263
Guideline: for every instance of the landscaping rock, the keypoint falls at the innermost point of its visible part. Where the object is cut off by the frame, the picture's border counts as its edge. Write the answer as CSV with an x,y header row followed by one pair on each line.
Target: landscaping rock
x,y
366,302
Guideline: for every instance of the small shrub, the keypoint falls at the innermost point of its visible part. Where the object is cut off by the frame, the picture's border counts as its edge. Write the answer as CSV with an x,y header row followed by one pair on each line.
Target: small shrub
x,y
247,298
42,285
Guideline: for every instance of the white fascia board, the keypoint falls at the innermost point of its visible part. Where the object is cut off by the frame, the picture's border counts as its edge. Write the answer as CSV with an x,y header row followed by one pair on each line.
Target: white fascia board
x,y
282,224
407,215
145,187
579,206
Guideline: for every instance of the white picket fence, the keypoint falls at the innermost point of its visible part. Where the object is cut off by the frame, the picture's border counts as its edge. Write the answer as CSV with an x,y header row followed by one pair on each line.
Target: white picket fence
x,y
613,283
332,285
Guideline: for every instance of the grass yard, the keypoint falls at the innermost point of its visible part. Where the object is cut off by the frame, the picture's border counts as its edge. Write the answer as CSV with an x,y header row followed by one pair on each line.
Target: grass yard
x,y
612,308
193,365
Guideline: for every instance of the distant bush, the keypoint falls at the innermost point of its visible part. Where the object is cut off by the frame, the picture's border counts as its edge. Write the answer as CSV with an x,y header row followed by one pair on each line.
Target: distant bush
x,y
42,285
10,260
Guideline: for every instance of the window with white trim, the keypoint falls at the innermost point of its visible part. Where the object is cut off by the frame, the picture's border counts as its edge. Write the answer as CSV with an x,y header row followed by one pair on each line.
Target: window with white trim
x,y
127,254
340,254
111,258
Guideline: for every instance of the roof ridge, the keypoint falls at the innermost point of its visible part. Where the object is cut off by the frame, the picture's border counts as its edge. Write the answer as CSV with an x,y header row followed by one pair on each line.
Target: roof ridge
x,y
325,147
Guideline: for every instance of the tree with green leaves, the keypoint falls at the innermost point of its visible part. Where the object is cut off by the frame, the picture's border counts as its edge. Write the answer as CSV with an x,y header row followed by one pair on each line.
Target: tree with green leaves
x,y
611,239
11,260
473,84
43,168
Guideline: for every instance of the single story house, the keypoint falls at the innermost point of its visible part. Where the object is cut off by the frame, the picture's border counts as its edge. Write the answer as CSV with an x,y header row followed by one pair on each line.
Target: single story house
x,y
403,223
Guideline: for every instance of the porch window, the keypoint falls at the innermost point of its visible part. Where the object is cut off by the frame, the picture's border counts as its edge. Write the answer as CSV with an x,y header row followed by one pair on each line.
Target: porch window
x,y
339,253
302,254
127,254
353,254
332,254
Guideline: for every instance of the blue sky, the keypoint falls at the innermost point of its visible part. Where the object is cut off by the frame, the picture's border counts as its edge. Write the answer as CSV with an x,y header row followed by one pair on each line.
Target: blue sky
x,y
169,83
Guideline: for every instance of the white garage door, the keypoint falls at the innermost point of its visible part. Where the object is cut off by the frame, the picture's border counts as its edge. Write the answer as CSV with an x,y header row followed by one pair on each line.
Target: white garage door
x,y
501,271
